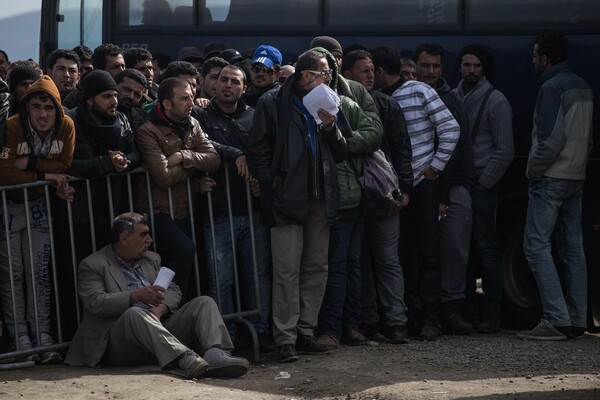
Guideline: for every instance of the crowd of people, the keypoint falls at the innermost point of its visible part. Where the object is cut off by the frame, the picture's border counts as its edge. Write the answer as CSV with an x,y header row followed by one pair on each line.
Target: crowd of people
x,y
279,197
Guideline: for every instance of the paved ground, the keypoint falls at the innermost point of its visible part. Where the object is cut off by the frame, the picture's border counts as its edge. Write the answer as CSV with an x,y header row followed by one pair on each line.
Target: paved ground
x,y
497,367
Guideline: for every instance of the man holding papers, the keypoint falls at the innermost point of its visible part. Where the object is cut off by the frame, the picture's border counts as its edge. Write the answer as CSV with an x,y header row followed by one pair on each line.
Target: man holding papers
x,y
293,153
128,321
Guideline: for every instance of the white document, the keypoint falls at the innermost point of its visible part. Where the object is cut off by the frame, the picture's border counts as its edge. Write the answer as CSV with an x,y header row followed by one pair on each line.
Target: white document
x,y
321,97
164,278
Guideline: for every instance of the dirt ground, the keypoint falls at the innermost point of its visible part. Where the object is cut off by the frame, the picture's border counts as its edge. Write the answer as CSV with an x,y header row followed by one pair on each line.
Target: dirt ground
x,y
494,367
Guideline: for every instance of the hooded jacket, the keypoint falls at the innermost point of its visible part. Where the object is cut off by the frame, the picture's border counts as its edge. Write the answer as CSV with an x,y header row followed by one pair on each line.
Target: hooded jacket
x,y
18,144
354,90
561,140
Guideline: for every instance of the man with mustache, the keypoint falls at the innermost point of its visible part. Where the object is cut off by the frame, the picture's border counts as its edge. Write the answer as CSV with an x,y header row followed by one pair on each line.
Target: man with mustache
x,y
132,85
63,67
129,321
490,118
173,146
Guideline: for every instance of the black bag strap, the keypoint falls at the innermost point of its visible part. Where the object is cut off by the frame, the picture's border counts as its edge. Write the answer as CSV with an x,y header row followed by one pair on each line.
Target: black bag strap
x,y
480,113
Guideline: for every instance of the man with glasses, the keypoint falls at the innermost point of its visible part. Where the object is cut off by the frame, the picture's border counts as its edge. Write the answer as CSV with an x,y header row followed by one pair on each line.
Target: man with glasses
x,y
293,157
266,64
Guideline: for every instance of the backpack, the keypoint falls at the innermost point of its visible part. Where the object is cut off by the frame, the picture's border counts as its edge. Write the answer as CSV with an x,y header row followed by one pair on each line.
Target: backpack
x,y
381,195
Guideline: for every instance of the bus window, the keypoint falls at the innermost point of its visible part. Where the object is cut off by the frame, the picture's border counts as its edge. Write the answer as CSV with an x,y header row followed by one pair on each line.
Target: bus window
x,y
269,14
216,9
69,30
397,15
172,13
532,13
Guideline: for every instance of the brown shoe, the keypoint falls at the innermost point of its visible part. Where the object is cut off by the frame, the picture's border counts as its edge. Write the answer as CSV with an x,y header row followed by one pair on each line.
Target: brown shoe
x,y
328,341
354,337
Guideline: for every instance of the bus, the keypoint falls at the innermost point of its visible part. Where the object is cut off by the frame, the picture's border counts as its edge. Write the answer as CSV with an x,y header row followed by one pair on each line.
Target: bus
x,y
504,27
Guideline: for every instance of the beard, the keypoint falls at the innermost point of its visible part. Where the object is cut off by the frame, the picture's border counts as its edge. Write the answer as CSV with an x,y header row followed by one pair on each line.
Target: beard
x,y
102,114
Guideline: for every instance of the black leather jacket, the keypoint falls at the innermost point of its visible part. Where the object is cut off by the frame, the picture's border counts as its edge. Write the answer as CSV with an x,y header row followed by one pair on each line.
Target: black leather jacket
x,y
298,176
396,142
228,133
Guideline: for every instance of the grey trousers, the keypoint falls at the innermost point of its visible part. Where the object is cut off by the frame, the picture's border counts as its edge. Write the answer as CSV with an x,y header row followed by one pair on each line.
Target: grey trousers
x,y
455,240
299,274
137,338
27,273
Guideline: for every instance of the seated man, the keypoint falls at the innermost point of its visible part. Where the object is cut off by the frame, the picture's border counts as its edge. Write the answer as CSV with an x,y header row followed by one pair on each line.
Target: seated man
x,y
128,321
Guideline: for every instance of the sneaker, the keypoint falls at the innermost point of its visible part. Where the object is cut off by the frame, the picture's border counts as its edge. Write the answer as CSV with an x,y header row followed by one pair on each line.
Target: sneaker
x,y
49,357
287,353
489,324
221,364
25,344
328,341
430,330
192,364
309,345
265,342
354,337
543,331
398,334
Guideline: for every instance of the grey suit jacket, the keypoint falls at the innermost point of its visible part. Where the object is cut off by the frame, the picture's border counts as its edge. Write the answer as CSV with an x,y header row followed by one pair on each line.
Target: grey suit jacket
x,y
105,297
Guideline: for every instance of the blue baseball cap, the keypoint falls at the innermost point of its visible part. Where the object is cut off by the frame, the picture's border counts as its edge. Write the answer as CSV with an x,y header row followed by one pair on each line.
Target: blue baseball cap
x,y
267,56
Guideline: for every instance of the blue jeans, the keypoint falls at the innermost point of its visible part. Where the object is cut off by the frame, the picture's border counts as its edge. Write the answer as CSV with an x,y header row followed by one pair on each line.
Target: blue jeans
x,y
556,203
383,280
484,240
228,245
455,239
344,255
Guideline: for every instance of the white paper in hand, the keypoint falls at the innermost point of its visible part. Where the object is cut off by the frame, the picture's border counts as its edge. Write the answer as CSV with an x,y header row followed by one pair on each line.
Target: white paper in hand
x,y
321,97
164,278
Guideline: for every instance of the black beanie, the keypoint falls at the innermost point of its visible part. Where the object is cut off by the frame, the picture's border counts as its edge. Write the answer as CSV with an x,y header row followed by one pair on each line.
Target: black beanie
x,y
21,73
328,43
95,82
487,61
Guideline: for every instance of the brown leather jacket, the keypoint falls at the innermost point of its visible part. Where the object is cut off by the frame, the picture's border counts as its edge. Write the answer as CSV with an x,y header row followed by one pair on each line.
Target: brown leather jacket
x,y
157,140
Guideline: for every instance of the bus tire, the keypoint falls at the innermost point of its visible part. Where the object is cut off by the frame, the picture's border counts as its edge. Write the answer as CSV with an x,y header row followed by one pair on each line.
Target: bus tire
x,y
521,305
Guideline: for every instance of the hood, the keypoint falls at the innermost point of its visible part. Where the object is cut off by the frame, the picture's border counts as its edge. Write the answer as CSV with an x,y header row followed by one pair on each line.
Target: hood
x,y
332,65
442,86
43,85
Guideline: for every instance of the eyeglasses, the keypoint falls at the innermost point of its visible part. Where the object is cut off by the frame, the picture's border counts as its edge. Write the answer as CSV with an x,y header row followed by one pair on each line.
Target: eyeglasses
x,y
258,69
324,74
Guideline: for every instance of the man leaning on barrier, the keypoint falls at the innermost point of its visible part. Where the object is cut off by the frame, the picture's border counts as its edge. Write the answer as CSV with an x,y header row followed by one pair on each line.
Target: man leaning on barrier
x,y
39,146
129,321
227,122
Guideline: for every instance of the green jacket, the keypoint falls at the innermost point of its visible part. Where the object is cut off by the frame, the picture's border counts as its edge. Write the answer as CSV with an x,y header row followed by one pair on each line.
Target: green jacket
x,y
365,138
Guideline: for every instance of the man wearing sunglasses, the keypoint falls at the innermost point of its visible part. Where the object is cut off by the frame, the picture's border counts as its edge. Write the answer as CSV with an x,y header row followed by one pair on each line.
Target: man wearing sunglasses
x,y
293,157
265,71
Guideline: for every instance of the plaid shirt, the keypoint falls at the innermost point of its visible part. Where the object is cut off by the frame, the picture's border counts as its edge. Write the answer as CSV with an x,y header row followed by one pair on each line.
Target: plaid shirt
x,y
135,278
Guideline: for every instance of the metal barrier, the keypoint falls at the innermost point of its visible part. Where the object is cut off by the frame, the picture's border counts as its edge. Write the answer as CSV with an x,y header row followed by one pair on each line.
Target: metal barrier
x,y
13,358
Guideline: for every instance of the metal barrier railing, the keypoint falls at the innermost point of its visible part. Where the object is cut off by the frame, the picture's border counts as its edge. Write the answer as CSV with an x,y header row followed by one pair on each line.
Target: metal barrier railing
x,y
14,356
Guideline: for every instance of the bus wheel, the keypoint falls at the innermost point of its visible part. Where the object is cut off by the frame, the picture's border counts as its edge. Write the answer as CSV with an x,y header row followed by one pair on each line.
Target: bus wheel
x,y
521,306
